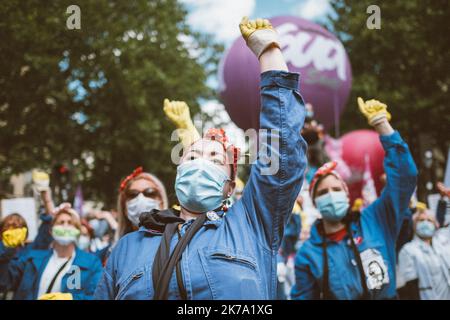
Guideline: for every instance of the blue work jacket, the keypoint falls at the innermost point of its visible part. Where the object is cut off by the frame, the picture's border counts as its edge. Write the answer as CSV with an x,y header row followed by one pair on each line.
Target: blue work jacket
x,y
375,234
21,272
233,255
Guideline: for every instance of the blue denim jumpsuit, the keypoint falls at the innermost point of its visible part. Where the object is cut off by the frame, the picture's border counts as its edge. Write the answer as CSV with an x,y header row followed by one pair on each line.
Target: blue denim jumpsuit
x,y
233,256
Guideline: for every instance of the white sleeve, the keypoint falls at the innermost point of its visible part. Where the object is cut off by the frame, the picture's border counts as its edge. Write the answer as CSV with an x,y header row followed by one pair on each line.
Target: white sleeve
x,y
407,269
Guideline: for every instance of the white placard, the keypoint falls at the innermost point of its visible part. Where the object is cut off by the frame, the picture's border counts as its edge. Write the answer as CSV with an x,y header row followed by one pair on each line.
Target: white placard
x,y
26,207
433,200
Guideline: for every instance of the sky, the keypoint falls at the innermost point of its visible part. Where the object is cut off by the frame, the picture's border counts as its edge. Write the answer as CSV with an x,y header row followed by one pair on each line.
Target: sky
x,y
221,18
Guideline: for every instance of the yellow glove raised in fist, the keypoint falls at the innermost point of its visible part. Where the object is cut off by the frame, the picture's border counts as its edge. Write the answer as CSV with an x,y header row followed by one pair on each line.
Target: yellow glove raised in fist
x,y
56,296
13,238
41,180
375,111
178,113
259,35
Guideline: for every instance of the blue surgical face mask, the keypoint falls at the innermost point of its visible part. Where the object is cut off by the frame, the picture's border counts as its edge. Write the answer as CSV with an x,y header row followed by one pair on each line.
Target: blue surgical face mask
x,y
425,229
100,227
199,185
333,205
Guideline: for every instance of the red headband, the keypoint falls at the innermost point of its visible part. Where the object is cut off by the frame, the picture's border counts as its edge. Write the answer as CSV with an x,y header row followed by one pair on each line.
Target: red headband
x,y
326,169
220,136
135,173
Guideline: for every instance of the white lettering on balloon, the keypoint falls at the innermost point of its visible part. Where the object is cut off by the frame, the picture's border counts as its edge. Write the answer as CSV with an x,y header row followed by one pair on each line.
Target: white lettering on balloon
x,y
301,49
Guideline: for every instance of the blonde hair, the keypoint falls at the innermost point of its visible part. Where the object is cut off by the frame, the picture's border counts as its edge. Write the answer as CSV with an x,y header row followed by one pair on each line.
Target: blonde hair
x,y
125,225
72,213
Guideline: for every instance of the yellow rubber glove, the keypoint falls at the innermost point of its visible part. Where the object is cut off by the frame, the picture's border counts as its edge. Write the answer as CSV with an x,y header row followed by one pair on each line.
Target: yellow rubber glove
x,y
239,185
357,204
178,113
41,180
259,35
374,110
421,206
13,238
56,296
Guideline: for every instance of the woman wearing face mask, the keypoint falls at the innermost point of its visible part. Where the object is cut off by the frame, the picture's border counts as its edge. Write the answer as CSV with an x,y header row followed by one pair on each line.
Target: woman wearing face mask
x,y
424,263
352,256
86,236
63,272
209,251
139,192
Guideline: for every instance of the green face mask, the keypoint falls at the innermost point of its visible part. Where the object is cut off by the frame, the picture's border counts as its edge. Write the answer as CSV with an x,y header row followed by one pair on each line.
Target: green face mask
x,y
65,235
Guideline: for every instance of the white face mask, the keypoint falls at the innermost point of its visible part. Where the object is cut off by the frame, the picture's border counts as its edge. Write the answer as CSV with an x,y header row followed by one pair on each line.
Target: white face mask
x,y
83,242
139,205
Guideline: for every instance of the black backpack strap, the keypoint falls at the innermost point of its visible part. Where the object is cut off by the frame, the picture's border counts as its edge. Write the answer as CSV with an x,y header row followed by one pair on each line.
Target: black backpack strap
x,y
52,283
362,274
164,264
325,293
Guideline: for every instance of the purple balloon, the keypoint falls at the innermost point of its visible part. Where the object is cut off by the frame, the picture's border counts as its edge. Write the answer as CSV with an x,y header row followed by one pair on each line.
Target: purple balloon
x,y
309,49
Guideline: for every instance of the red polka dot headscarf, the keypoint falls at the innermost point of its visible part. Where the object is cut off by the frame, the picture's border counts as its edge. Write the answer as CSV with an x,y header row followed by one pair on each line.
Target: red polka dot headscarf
x,y
325,170
232,151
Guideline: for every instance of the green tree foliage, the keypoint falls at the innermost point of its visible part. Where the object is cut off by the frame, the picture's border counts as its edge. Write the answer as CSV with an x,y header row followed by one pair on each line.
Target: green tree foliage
x,y
405,64
96,93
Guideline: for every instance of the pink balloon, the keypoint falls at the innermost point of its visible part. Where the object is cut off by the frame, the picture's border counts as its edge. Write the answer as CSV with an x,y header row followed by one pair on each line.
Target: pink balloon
x,y
309,49
355,145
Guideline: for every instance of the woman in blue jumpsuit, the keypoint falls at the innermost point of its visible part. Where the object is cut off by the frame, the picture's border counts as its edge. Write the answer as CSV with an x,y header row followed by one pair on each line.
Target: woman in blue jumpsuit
x,y
353,256
229,254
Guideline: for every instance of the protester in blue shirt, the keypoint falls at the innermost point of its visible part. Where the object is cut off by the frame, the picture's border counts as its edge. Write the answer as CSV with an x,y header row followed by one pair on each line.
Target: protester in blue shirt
x,y
352,256
207,251
63,272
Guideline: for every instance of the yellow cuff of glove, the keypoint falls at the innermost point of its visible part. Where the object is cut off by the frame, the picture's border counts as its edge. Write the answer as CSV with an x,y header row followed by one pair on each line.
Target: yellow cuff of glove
x,y
374,111
14,237
56,296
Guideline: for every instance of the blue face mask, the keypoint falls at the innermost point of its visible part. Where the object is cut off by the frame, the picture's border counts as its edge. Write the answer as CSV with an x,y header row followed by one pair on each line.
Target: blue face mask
x,y
199,185
425,229
333,205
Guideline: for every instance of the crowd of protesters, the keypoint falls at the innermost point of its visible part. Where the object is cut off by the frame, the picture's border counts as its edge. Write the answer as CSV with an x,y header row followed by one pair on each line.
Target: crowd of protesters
x,y
289,235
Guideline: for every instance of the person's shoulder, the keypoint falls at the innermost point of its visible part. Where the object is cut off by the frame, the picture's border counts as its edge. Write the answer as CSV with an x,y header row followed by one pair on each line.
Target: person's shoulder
x,y
132,236
131,240
87,257
409,248
28,252
306,250
443,235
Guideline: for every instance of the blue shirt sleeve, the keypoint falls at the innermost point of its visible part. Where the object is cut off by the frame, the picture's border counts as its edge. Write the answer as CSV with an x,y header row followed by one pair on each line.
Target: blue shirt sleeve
x,y
389,210
12,266
43,238
276,177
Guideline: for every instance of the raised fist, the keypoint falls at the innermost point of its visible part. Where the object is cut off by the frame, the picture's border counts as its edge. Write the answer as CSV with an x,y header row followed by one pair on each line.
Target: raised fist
x,y
41,180
259,35
375,111
178,113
